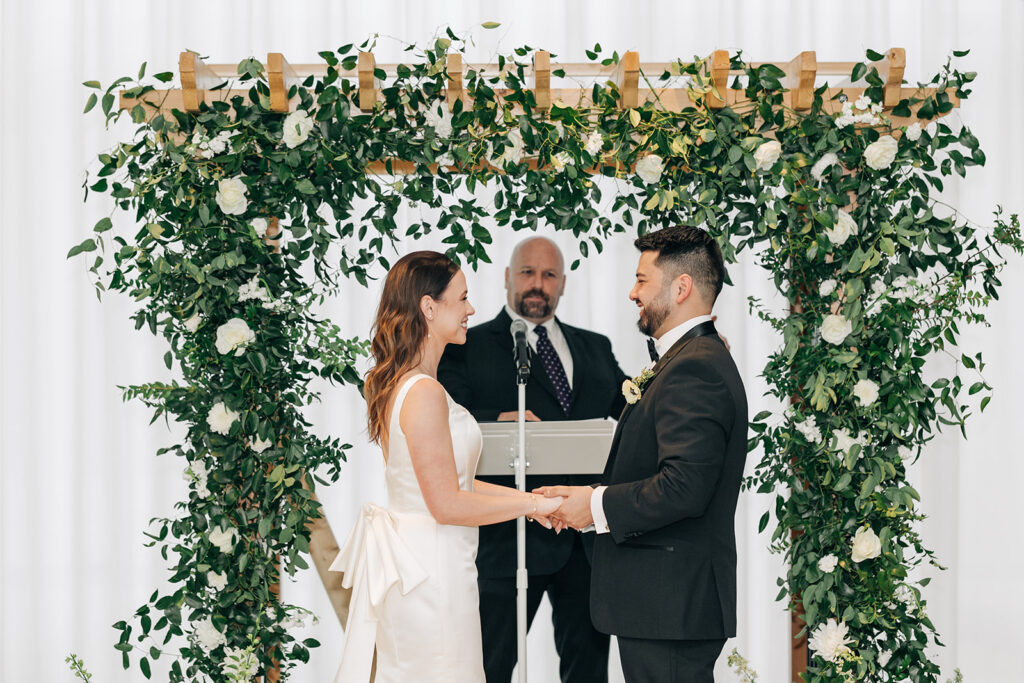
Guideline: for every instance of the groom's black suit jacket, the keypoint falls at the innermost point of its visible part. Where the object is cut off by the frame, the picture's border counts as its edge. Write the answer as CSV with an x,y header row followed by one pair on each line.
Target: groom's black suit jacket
x,y
481,376
667,569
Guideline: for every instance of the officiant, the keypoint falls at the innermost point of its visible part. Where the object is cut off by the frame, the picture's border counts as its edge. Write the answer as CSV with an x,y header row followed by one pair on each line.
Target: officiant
x,y
573,376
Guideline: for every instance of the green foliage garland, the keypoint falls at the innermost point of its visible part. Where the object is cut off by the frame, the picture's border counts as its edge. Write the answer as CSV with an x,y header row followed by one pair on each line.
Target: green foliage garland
x,y
877,271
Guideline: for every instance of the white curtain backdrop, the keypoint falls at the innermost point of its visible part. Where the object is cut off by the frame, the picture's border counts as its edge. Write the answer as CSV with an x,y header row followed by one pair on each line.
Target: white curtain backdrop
x,y
79,478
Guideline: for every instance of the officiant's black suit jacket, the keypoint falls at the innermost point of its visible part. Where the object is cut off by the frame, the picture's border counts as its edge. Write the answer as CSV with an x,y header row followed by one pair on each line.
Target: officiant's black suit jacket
x,y
667,569
481,376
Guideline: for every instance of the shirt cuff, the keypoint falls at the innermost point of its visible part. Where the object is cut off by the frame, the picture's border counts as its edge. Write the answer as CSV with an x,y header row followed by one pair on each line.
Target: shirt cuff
x,y
597,510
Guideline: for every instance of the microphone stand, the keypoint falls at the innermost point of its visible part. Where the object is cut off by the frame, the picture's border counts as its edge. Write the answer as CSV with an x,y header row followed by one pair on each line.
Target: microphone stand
x,y
522,576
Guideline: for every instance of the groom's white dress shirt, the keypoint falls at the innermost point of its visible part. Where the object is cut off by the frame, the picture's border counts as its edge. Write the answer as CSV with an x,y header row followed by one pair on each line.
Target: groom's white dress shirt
x,y
662,345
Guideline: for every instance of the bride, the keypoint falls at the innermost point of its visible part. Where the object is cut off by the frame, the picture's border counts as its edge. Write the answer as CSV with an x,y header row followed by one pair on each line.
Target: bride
x,y
411,567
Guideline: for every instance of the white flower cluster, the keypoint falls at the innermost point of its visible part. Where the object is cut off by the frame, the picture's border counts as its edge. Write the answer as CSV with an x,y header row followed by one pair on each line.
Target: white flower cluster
x,y
217,580
862,111
223,538
513,152
830,640
259,445
296,129
906,595
809,428
440,119
866,392
827,287
593,142
207,635
843,226
253,290
828,563
206,147
844,441
826,160
561,160
193,323
260,225
220,418
197,475
239,664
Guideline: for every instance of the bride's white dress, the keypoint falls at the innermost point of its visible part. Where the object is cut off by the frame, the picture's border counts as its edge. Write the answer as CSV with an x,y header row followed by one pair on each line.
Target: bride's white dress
x,y
413,581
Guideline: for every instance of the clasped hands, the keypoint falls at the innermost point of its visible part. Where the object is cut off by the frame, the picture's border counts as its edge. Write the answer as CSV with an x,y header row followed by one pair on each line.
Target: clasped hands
x,y
564,507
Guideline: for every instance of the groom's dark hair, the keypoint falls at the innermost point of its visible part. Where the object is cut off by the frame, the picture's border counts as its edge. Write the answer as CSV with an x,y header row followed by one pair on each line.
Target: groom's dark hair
x,y
691,250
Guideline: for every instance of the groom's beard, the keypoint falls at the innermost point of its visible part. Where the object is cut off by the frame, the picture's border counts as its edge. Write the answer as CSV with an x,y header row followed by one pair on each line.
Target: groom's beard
x,y
653,314
534,308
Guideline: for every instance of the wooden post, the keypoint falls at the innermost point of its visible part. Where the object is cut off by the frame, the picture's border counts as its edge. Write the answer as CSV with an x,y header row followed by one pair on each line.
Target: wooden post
x,y
367,81
281,76
453,65
196,77
891,72
718,71
627,77
542,79
800,74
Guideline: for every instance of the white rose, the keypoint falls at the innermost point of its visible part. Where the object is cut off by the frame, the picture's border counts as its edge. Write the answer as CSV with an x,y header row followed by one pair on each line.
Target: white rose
x,y
835,328
844,441
914,132
440,119
829,641
866,392
221,418
866,545
593,142
207,635
217,580
234,335
193,323
827,287
842,227
650,169
231,196
880,153
260,225
883,658
239,664
905,453
818,170
767,154
297,126
223,538
259,445
828,563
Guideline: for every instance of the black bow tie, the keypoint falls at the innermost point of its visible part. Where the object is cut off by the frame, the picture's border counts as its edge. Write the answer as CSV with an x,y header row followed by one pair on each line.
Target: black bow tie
x,y
653,350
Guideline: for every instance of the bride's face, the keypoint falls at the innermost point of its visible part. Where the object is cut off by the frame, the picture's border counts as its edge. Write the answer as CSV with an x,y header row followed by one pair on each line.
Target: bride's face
x,y
451,312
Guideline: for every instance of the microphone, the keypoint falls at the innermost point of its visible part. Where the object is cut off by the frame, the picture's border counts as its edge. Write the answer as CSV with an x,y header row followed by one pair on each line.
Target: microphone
x,y
522,352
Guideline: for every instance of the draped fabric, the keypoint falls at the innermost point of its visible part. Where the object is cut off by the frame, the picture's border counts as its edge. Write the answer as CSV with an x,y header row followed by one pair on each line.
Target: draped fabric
x,y
79,478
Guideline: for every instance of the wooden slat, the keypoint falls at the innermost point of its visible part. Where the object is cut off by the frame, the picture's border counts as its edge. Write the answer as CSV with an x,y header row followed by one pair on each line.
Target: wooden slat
x,y
800,75
891,72
627,77
718,71
454,68
542,79
367,81
196,78
281,77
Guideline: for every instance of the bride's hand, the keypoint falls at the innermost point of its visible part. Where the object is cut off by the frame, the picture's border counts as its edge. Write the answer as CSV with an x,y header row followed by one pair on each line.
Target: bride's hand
x,y
545,506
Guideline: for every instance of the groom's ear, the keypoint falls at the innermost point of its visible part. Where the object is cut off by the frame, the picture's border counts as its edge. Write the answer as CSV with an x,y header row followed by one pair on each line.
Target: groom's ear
x,y
683,288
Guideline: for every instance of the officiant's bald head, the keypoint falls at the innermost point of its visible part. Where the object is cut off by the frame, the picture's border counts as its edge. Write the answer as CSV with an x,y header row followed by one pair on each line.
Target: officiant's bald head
x,y
535,278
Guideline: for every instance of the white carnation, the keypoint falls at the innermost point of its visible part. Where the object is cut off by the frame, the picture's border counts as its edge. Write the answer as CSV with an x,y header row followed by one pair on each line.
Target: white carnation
x,y
879,154
231,196
767,154
818,170
217,580
440,119
207,635
810,430
259,445
842,227
827,287
220,418
650,169
828,563
593,142
296,129
193,323
835,329
866,392
914,132
830,640
239,664
223,538
906,595
866,545
234,335
260,225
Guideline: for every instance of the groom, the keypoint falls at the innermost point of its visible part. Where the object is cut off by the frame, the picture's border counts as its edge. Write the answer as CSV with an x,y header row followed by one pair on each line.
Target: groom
x,y
664,571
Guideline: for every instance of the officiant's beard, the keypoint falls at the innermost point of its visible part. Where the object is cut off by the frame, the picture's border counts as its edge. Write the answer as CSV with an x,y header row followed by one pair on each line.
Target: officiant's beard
x,y
653,314
533,309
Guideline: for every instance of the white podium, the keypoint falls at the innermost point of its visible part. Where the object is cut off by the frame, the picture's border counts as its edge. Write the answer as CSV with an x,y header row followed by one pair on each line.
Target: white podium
x,y
558,447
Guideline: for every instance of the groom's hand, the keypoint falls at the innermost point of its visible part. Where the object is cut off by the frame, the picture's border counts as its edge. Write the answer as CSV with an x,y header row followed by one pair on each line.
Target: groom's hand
x,y
575,509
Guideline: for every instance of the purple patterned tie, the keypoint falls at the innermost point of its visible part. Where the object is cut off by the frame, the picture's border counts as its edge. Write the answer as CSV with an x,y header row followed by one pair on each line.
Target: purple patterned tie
x,y
553,366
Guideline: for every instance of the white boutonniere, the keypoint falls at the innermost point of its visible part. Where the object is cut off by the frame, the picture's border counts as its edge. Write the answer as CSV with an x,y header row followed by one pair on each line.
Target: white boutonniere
x,y
633,389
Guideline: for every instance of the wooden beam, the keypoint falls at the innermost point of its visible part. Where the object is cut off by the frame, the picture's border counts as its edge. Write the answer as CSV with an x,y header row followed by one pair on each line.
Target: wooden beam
x,y
196,78
281,77
367,81
627,77
800,75
454,68
891,72
718,72
542,79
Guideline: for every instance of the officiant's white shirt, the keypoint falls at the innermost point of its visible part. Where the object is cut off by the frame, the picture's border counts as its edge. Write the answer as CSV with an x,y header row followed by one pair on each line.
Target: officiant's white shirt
x,y
662,345
554,334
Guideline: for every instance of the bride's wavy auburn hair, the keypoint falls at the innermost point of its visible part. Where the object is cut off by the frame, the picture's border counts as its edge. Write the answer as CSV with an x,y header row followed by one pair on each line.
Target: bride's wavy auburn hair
x,y
400,328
